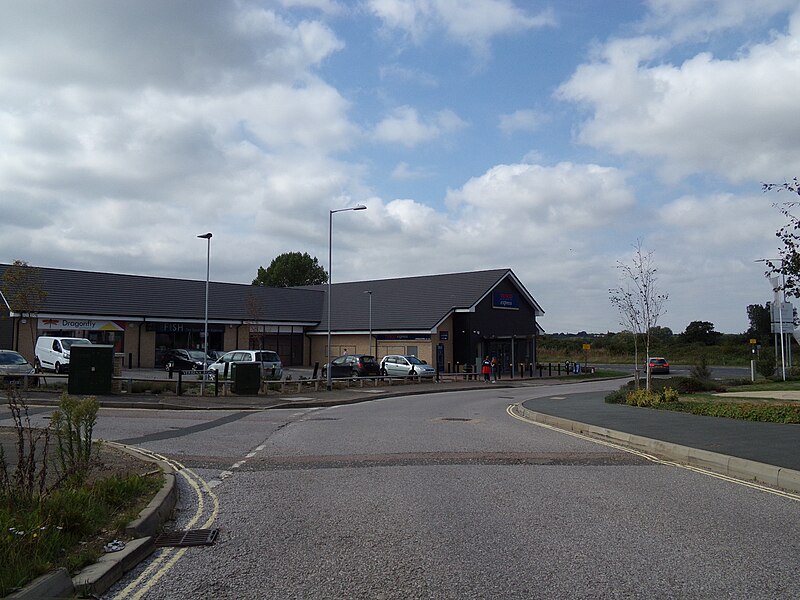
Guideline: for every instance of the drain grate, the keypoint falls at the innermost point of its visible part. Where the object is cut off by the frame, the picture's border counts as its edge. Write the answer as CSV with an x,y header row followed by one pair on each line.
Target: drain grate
x,y
455,419
188,537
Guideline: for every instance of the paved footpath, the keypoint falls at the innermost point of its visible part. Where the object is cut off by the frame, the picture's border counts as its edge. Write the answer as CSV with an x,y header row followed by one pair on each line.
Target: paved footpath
x,y
775,444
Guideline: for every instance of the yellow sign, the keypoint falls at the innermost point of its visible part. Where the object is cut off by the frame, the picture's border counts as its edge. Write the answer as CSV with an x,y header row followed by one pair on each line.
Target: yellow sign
x,y
587,346
753,341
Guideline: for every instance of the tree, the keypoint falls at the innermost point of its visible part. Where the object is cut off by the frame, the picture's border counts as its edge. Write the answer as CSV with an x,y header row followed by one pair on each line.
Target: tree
x,y
24,291
760,321
638,300
788,263
291,269
700,332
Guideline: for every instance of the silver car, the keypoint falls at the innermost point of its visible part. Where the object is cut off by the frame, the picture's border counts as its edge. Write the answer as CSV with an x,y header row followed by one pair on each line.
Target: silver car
x,y
13,366
404,365
271,366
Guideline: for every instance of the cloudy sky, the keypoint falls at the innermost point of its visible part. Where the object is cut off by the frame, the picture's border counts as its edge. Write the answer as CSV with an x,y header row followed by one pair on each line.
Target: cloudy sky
x,y
542,136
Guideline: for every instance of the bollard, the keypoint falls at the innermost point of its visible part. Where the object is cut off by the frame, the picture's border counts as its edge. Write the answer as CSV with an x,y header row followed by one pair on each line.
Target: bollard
x,y
180,381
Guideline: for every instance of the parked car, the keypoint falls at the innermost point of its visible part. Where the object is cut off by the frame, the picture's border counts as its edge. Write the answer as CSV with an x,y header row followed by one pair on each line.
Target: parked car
x,y
353,365
658,365
13,366
271,366
403,365
185,360
52,353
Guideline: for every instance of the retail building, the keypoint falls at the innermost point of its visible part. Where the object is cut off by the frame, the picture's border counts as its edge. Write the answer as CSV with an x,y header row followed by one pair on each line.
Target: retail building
x,y
449,320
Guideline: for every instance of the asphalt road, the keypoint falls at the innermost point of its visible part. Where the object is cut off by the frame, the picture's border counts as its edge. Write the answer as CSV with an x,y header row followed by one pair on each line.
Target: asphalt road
x,y
446,496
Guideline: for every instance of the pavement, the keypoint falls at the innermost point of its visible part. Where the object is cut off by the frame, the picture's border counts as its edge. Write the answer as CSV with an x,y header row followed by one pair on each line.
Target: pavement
x,y
766,453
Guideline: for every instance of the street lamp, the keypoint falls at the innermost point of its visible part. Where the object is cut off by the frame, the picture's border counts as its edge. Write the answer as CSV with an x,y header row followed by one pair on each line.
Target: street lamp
x,y
329,384
207,237
369,347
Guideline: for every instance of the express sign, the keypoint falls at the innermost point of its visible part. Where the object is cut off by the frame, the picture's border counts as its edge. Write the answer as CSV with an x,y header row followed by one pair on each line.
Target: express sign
x,y
507,300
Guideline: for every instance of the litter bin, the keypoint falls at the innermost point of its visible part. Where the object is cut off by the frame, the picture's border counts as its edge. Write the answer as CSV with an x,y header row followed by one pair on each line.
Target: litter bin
x,y
246,378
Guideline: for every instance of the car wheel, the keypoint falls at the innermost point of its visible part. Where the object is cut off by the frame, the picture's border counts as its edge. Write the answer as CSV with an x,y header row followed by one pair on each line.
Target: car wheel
x,y
383,372
168,366
58,368
412,372
354,375
37,366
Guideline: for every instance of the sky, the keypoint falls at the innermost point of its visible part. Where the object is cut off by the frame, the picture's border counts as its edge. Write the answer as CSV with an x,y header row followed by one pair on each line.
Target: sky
x,y
546,137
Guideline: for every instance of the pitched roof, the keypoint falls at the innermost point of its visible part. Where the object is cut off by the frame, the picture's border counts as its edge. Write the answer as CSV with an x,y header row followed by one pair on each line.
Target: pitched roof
x,y
399,304
157,298
411,303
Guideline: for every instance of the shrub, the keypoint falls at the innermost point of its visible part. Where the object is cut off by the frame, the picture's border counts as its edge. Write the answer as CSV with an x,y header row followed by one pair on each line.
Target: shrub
x,y
691,385
652,398
765,365
74,422
700,370
617,397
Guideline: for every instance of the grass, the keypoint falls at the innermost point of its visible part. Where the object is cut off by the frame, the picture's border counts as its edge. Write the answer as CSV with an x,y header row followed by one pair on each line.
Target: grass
x,y
66,527
772,410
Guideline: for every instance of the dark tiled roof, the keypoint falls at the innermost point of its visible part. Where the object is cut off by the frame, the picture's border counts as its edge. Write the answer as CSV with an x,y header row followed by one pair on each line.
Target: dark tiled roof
x,y
400,304
410,303
132,296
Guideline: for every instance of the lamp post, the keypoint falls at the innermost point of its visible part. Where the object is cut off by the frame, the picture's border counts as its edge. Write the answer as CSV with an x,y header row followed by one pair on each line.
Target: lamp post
x,y
328,382
370,322
207,237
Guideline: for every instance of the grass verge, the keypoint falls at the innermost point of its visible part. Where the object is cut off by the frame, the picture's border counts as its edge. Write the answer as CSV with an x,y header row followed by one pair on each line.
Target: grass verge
x,y
68,527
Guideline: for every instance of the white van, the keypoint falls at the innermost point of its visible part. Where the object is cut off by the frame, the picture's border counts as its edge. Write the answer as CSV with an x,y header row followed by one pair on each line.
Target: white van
x,y
52,353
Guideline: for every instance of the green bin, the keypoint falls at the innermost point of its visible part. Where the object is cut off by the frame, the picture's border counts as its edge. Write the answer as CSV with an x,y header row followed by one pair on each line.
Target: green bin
x,y
91,369
246,378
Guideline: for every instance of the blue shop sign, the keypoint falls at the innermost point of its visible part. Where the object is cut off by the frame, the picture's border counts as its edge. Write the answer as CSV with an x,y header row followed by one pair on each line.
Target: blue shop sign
x,y
508,300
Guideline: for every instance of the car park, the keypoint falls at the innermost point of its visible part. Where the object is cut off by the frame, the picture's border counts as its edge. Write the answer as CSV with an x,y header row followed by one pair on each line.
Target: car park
x,y
353,365
14,366
658,365
185,360
405,365
52,353
271,366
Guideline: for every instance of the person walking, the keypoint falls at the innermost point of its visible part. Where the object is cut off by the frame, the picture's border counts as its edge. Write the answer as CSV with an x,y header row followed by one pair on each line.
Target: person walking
x,y
494,369
486,369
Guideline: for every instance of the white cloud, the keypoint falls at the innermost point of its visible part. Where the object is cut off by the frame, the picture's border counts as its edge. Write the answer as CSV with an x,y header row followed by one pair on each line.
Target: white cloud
x,y
525,120
404,172
697,19
404,126
472,23
734,117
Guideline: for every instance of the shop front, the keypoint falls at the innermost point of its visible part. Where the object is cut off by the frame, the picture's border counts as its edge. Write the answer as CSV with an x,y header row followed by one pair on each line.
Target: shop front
x,y
170,335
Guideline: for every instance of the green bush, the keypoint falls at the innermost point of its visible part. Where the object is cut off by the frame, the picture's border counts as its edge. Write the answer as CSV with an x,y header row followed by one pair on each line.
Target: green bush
x,y
765,365
74,422
781,413
700,370
653,398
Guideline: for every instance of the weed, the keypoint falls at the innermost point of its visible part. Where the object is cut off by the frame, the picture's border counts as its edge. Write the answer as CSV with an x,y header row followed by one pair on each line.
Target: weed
x,y
74,423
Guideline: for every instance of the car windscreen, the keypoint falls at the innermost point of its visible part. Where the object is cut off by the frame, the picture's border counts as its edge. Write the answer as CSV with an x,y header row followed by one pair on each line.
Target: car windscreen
x,y
197,355
267,357
11,358
68,343
414,360
368,359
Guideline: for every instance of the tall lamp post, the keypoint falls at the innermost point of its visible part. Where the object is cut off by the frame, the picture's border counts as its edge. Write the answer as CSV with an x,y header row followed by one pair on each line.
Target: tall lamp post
x,y
207,237
370,321
328,382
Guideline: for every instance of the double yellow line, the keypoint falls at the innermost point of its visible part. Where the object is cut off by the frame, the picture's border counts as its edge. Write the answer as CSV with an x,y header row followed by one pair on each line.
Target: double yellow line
x,y
169,556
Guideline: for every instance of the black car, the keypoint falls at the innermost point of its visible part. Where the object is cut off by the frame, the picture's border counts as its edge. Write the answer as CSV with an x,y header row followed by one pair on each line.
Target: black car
x,y
185,360
353,365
